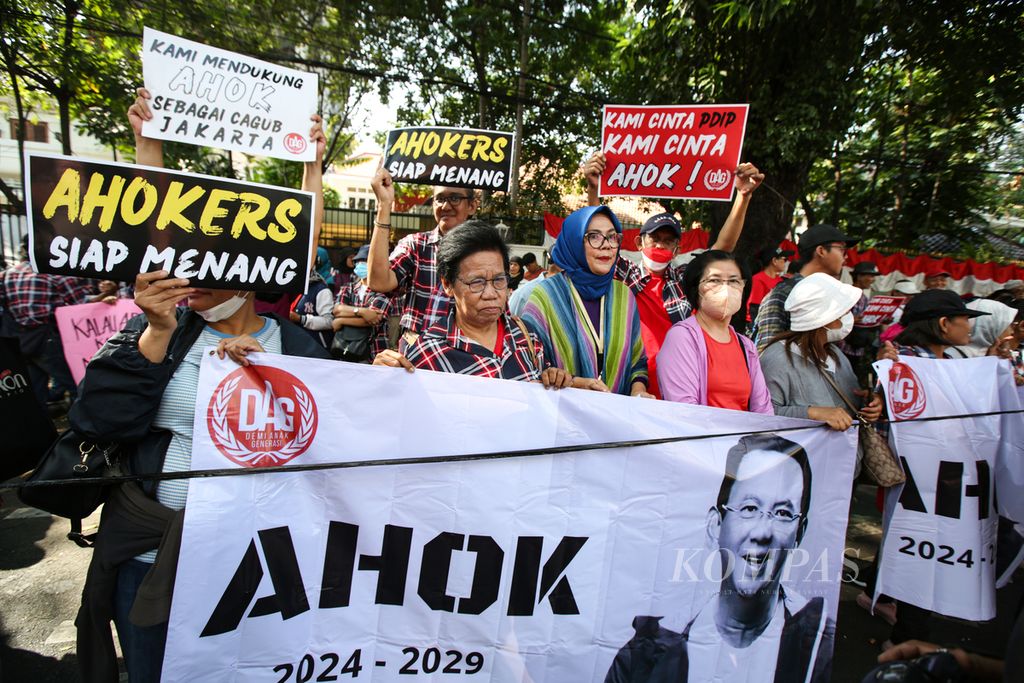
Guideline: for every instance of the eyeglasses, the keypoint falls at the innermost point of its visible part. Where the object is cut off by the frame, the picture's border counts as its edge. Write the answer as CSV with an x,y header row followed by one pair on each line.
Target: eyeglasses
x,y
478,285
735,283
453,199
596,240
778,516
841,247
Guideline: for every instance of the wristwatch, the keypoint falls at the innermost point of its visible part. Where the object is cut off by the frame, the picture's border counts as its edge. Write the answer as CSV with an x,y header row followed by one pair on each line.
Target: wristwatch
x,y
355,311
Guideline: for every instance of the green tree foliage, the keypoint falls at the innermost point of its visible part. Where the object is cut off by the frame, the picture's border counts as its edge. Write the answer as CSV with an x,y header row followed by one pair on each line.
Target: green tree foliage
x,y
463,58
84,54
797,63
935,112
877,116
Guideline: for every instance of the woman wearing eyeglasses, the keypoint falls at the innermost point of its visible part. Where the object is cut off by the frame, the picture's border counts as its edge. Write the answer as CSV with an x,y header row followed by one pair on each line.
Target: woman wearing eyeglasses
x,y
703,360
477,337
587,321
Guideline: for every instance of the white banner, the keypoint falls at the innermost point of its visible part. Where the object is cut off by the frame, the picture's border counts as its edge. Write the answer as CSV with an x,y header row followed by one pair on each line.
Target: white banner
x,y
582,566
207,96
939,548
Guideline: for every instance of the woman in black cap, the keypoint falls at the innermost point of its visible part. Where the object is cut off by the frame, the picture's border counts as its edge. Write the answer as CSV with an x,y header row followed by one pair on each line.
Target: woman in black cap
x,y
360,316
934,321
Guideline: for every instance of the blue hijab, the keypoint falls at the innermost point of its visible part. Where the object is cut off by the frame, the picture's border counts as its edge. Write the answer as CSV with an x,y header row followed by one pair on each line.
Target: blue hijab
x,y
570,255
323,263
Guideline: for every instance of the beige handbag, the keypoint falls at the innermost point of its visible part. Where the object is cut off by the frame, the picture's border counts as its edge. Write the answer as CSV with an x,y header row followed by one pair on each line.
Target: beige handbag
x,y
879,460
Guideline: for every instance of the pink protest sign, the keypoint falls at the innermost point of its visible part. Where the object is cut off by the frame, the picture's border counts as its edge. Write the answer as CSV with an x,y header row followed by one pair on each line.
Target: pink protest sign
x,y
879,309
86,327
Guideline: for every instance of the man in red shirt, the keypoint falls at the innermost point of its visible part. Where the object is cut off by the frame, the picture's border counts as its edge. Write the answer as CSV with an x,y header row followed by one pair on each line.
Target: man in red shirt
x,y
776,260
531,269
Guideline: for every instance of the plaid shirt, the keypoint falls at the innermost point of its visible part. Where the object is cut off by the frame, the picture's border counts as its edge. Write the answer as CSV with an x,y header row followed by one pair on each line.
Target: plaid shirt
x,y
921,352
414,263
31,297
357,294
633,276
443,348
772,318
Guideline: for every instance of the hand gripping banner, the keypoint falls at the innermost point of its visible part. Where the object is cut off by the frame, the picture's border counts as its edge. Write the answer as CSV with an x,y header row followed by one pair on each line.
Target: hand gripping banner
x,y
562,566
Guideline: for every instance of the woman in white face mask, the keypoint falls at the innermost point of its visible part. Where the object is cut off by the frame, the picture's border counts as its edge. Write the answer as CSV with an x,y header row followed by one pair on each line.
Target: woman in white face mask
x,y
140,390
806,371
703,360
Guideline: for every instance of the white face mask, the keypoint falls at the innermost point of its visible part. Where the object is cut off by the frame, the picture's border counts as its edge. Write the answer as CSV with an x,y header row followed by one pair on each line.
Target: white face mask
x,y
224,309
843,331
721,302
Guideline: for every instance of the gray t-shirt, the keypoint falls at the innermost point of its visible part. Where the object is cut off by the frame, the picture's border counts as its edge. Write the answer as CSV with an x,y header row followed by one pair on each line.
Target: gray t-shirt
x,y
796,384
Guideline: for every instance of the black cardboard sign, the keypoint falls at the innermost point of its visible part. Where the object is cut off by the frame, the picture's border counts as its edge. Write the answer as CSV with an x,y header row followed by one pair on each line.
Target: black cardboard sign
x,y
112,221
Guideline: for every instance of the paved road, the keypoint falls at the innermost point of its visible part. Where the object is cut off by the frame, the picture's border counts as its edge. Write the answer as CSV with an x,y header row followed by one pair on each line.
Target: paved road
x,y
41,576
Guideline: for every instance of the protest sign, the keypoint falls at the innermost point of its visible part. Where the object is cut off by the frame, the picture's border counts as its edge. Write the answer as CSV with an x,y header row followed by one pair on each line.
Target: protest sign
x,y
113,221
672,152
879,309
451,157
207,96
938,551
86,327
537,568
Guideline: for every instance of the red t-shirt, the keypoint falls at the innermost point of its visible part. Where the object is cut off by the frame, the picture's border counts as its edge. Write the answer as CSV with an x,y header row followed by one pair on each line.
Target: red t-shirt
x,y
728,377
499,344
760,285
654,325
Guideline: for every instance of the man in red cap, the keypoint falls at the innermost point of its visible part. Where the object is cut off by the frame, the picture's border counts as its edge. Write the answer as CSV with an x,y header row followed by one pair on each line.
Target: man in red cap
x,y
936,278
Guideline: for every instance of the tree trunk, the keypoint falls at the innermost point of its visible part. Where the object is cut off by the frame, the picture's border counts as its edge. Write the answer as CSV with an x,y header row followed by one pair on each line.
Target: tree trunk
x,y
524,40
64,107
66,89
9,57
770,214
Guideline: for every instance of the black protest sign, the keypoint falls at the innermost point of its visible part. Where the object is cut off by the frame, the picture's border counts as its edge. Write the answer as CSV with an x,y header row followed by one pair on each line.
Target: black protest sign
x,y
113,221
450,157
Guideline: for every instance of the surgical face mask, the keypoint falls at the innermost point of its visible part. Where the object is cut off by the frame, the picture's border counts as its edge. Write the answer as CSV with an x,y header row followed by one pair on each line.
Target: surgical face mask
x,y
224,309
843,331
361,270
656,259
721,302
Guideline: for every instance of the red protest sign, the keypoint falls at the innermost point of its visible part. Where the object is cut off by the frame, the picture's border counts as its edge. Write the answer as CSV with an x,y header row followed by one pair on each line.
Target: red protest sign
x,y
672,152
879,309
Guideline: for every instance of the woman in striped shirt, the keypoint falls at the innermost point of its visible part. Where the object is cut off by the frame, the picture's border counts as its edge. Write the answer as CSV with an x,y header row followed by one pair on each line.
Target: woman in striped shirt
x,y
587,321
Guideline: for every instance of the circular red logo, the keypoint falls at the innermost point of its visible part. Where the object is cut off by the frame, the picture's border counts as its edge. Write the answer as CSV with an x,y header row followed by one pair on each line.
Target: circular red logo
x,y
906,392
295,143
717,179
261,416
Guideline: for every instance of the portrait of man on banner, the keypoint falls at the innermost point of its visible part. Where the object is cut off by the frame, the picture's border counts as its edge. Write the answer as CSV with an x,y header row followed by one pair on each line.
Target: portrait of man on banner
x,y
753,628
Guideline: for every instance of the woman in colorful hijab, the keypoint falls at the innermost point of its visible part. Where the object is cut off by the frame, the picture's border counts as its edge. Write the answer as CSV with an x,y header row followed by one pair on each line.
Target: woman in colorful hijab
x,y
586,320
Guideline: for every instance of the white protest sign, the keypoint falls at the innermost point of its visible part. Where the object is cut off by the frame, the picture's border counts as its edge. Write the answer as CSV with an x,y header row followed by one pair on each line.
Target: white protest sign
x,y
207,96
538,568
939,548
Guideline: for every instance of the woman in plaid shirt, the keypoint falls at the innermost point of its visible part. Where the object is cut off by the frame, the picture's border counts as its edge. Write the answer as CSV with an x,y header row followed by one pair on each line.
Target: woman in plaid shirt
x,y
478,337
359,306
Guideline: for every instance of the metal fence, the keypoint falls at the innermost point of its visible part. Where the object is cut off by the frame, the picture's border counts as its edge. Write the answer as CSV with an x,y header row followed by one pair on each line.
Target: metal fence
x,y
13,226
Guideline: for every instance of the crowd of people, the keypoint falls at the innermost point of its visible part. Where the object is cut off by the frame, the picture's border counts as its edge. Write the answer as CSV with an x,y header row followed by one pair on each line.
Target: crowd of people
x,y
705,333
